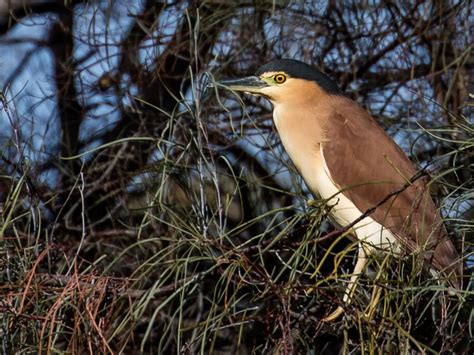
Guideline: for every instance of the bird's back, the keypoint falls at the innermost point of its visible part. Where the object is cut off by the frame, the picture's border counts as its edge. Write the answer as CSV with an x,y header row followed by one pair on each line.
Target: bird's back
x,y
369,166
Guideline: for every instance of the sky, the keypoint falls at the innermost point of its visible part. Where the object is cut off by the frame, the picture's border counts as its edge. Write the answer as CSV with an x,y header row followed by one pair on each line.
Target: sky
x,y
31,115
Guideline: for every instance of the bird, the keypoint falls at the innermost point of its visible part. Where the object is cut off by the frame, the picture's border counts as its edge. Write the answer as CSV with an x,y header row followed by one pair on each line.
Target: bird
x,y
346,158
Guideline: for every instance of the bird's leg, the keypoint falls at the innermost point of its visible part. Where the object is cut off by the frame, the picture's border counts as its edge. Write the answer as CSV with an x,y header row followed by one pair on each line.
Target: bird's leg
x,y
348,293
374,301
377,292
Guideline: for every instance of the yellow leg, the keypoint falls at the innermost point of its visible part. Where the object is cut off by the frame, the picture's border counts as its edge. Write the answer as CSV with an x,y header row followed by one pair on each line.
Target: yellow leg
x,y
374,302
359,266
377,291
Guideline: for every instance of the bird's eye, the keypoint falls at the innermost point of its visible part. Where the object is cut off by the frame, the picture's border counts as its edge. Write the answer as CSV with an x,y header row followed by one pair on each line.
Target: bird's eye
x,y
279,78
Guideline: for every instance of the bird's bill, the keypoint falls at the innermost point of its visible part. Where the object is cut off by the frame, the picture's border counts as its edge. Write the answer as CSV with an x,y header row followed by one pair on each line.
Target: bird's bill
x,y
250,84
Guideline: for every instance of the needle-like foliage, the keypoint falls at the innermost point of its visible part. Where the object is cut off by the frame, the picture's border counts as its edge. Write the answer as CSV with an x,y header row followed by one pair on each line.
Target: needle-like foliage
x,y
142,210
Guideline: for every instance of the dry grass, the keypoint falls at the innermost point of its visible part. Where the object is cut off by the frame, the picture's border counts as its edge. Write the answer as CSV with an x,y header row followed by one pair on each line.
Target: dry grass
x,y
198,247
189,277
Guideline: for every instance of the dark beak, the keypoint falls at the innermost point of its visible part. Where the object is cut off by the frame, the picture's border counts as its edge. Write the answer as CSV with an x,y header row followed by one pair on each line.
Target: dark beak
x,y
250,84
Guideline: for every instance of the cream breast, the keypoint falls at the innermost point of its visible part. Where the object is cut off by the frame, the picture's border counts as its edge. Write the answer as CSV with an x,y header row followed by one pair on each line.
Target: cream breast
x,y
299,145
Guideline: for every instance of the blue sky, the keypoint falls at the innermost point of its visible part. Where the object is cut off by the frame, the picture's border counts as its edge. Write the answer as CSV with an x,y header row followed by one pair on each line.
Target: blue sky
x,y
99,30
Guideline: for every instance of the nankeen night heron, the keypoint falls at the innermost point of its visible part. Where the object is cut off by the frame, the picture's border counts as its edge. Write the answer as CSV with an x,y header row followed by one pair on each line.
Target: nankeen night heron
x,y
345,157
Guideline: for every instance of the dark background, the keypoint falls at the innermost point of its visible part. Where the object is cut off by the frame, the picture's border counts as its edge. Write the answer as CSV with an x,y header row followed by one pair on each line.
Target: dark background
x,y
141,210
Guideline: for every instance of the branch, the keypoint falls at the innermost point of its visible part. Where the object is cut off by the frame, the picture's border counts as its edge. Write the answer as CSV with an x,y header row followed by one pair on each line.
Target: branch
x,y
71,113
10,14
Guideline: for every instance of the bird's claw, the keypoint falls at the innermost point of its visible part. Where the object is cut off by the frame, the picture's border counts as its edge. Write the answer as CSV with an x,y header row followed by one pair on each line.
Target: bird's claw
x,y
334,315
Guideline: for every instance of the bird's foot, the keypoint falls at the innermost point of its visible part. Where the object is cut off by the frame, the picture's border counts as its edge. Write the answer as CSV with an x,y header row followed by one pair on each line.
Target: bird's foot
x,y
369,311
334,315
374,302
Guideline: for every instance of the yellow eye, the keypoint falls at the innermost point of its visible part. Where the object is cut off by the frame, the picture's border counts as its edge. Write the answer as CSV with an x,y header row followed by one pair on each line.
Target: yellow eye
x,y
279,78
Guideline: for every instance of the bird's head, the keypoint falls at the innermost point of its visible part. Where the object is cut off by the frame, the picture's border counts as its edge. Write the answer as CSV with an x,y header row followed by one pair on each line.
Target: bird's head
x,y
283,79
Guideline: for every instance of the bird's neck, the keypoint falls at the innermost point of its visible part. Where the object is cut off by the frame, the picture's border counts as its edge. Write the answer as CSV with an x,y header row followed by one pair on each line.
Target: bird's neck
x,y
302,120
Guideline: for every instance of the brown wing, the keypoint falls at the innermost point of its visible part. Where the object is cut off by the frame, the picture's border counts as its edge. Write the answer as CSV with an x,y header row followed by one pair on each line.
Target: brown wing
x,y
368,166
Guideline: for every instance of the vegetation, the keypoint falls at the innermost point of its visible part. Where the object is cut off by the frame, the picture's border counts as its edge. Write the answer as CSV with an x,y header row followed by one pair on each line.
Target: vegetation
x,y
142,211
